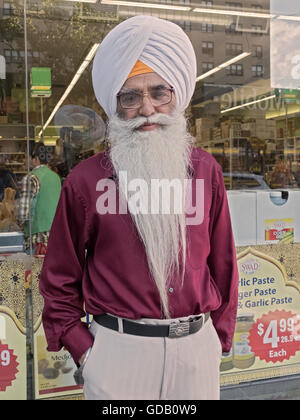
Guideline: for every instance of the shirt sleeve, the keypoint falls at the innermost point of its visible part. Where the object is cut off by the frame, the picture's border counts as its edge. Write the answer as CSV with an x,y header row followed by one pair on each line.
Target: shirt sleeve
x,y
30,187
223,265
61,276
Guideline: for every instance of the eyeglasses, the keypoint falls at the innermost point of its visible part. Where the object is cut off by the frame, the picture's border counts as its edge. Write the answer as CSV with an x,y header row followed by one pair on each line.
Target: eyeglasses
x,y
158,95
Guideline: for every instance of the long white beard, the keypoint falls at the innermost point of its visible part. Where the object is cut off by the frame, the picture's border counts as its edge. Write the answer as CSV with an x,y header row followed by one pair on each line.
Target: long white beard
x,y
163,153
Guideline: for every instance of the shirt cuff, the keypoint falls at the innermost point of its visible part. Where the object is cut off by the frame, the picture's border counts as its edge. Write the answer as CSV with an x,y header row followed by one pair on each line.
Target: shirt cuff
x,y
226,347
77,340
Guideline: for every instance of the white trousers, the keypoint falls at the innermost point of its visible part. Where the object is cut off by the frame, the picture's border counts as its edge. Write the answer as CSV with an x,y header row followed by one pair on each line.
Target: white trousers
x,y
128,367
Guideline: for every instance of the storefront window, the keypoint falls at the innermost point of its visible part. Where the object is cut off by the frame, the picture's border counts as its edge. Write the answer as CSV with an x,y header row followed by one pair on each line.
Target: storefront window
x,y
245,112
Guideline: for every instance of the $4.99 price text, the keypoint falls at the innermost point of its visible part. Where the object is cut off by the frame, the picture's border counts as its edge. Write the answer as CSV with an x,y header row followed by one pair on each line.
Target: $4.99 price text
x,y
275,336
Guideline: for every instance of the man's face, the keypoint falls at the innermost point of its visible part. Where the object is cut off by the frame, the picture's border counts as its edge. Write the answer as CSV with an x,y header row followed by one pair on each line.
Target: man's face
x,y
143,84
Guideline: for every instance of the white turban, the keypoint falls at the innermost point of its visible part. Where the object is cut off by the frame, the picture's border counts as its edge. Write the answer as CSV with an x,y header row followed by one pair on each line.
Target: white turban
x,y
160,44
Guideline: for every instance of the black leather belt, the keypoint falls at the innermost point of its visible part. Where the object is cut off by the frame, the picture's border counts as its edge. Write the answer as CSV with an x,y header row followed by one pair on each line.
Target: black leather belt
x,y
173,330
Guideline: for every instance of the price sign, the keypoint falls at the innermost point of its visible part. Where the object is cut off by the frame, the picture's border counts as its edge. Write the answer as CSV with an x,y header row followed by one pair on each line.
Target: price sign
x,y
275,336
8,366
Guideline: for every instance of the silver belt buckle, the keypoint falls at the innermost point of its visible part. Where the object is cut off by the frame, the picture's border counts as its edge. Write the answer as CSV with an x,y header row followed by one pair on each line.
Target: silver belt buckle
x,y
179,329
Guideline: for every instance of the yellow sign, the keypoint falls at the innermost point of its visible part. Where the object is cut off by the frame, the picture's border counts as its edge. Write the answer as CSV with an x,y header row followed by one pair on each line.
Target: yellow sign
x,y
265,341
12,357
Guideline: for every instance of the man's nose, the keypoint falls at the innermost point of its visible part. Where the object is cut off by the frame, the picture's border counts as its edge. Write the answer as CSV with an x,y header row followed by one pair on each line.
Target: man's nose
x,y
146,109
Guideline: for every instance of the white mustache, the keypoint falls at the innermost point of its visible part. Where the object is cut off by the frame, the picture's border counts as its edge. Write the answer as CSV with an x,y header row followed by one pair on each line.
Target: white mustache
x,y
135,123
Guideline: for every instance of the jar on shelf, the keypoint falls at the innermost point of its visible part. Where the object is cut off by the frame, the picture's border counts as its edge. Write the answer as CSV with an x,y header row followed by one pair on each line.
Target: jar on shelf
x,y
243,357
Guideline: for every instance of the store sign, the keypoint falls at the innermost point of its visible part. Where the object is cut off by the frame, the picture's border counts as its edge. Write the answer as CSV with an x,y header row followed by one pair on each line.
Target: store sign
x,y
12,357
13,362
2,67
284,44
274,337
289,96
54,371
267,333
40,82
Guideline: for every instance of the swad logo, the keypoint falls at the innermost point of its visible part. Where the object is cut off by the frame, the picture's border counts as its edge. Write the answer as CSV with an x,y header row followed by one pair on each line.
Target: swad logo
x,y
250,266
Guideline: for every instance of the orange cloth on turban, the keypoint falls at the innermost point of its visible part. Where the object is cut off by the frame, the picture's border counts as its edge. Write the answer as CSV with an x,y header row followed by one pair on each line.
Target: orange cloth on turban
x,y
139,68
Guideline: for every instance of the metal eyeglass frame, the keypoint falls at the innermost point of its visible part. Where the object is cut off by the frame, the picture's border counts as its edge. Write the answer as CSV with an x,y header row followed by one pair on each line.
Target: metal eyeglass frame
x,y
143,94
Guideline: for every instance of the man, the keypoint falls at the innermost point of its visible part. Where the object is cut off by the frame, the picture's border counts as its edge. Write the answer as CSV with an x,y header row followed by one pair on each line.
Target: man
x,y
162,289
40,191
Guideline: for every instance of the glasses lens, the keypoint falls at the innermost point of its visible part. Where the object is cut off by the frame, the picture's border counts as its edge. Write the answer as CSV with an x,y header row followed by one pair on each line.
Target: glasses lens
x,y
160,96
130,100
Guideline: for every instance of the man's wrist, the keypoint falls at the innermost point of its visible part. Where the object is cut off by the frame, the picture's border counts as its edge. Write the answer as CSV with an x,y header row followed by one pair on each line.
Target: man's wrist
x,y
82,360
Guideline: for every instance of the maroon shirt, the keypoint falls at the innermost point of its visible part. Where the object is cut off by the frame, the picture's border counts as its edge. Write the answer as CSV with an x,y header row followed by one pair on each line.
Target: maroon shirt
x,y
99,261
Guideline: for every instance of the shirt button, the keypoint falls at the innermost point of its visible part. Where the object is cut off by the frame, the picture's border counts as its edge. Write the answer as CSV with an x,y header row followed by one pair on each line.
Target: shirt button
x,y
171,290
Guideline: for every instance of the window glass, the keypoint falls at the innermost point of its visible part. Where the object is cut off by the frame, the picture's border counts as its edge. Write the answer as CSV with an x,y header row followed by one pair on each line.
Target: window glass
x,y
246,115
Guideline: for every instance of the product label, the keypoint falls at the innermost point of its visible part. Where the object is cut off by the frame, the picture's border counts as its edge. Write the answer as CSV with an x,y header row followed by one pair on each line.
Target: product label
x,y
279,230
241,345
266,342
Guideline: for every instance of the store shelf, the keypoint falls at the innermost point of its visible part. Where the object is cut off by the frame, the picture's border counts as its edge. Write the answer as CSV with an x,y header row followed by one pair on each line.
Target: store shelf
x,y
15,139
14,149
